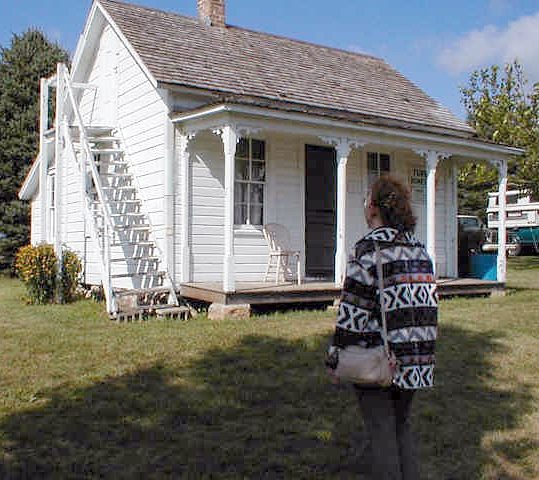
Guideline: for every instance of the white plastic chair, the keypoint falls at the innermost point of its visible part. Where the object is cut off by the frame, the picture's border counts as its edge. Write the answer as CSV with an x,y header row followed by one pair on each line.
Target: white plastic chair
x,y
278,238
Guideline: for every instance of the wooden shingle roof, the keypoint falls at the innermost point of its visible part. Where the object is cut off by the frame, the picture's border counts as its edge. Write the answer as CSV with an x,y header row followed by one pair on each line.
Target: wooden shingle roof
x,y
277,72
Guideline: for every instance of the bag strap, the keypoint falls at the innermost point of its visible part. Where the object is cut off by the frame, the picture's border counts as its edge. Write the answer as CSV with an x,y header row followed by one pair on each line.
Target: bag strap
x,y
380,275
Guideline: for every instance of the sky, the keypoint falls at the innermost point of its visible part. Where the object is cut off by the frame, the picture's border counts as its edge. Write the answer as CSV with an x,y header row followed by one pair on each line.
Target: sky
x,y
435,44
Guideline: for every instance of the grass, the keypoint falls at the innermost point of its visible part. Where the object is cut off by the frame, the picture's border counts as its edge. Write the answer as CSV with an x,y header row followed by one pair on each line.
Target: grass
x,y
83,397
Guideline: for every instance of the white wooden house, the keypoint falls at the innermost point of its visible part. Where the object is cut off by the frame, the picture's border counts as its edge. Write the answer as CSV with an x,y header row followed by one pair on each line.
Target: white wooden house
x,y
177,138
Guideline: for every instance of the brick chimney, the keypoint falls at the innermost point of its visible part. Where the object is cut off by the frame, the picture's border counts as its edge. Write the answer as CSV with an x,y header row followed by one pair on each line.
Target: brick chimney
x,y
212,12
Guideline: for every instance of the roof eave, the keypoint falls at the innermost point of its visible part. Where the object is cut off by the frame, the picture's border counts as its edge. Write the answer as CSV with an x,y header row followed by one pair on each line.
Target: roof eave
x,y
451,138
30,184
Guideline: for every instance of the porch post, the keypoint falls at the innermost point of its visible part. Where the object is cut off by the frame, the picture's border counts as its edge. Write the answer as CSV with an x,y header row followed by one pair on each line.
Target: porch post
x,y
229,138
432,163
432,158
502,217
454,220
183,142
43,123
343,150
343,147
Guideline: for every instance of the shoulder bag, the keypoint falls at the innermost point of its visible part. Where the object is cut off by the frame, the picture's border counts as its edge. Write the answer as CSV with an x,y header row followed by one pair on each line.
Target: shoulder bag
x,y
373,366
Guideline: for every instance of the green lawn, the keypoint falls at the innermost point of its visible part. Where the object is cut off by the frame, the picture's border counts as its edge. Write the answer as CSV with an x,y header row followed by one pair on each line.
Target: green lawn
x,y
84,397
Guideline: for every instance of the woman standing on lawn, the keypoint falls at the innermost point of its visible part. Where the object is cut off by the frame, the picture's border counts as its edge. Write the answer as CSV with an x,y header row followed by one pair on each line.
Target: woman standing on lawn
x,y
411,306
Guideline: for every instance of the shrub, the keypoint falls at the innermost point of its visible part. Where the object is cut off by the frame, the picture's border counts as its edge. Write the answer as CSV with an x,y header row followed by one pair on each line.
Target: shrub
x,y
37,267
71,270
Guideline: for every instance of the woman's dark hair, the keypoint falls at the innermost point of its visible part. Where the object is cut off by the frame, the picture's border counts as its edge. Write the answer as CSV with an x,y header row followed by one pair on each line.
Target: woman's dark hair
x,y
392,197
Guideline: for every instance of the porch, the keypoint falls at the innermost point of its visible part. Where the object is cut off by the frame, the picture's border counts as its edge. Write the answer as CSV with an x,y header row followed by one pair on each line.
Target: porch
x,y
310,176
266,293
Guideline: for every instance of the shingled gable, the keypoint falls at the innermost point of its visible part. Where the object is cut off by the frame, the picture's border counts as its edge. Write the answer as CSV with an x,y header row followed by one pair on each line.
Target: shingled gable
x,y
243,66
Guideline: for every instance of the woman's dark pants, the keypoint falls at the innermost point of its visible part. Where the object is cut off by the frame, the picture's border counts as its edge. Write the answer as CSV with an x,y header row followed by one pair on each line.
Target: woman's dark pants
x,y
386,414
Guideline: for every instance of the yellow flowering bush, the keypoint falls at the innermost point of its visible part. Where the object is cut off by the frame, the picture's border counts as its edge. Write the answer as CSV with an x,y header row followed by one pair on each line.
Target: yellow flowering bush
x,y
71,270
37,267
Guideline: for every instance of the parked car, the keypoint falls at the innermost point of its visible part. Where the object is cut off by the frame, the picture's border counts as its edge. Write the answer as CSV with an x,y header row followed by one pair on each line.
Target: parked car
x,y
473,231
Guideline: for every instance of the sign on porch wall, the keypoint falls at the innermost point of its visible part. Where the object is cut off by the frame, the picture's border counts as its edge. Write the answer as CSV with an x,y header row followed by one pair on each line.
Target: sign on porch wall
x,y
418,183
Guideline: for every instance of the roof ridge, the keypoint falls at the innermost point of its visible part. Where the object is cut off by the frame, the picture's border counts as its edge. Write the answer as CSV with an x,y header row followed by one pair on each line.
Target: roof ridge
x,y
306,42
151,9
249,30
359,83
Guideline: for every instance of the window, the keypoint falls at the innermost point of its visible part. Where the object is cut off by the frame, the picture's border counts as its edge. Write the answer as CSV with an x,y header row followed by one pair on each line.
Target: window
x,y
377,164
250,171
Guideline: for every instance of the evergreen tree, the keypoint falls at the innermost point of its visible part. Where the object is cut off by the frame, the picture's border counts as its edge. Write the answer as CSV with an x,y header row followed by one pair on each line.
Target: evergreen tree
x,y
30,57
503,109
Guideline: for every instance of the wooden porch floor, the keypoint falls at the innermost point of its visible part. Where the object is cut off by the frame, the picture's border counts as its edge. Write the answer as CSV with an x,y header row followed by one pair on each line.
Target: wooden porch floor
x,y
260,293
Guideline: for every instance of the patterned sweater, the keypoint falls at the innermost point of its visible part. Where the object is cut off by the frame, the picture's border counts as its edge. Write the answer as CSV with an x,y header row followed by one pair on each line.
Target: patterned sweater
x,y
409,296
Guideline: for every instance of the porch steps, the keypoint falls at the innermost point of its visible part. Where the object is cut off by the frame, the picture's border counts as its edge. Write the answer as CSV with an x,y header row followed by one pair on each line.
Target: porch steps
x,y
140,304
179,313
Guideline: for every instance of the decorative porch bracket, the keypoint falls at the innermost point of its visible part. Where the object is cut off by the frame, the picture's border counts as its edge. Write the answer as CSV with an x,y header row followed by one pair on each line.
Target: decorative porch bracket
x,y
432,159
229,137
501,165
343,147
184,157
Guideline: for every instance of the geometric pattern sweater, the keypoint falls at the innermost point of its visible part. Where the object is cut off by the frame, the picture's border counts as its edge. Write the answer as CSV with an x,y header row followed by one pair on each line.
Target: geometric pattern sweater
x,y
409,295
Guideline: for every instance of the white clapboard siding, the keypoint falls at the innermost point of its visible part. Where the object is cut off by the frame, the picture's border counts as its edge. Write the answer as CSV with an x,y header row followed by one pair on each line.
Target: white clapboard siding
x,y
98,107
251,255
35,218
409,162
356,226
287,183
442,219
207,222
73,236
141,119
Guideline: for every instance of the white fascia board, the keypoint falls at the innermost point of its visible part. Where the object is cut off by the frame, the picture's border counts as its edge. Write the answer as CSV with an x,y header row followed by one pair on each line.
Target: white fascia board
x,y
30,184
200,114
85,39
419,138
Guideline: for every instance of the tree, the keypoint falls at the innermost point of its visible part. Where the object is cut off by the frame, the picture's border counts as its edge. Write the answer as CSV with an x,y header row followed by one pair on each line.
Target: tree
x,y
30,57
503,109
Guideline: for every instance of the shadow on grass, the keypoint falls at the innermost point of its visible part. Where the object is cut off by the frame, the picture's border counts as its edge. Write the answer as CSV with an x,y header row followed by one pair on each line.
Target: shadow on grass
x,y
263,409
470,401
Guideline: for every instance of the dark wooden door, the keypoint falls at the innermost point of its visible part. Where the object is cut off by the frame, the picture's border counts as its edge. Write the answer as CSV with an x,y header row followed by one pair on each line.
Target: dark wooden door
x,y
320,211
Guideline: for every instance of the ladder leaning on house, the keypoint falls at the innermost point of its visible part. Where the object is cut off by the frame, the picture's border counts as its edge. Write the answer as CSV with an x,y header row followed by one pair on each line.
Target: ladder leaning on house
x,y
134,277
